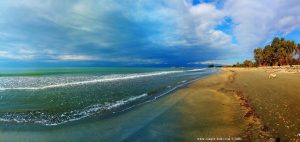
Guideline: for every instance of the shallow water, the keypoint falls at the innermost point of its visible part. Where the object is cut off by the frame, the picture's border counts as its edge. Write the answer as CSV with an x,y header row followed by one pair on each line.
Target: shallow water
x,y
118,127
55,96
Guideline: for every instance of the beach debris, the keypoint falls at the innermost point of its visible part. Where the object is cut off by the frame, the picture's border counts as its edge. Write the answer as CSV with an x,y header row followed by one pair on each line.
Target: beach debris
x,y
254,121
283,69
249,113
272,75
264,128
231,77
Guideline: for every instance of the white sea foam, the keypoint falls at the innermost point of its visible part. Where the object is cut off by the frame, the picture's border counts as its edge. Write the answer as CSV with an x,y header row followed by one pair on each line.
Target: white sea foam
x,y
109,78
56,119
197,69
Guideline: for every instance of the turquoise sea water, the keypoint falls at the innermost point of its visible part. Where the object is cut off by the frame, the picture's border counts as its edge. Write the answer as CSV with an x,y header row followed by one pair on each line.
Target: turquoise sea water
x,y
55,97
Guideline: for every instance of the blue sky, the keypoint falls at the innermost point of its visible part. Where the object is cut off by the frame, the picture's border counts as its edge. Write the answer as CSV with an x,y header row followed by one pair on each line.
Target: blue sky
x,y
140,32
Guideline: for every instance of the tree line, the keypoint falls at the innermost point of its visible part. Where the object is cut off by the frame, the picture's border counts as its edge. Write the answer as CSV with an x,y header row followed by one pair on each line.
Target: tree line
x,y
279,52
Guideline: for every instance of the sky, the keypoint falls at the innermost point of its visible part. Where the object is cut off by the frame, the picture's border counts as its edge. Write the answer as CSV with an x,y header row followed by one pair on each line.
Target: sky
x,y
43,33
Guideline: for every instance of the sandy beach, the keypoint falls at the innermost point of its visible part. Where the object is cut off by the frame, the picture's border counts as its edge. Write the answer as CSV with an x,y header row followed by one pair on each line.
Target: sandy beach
x,y
273,102
239,104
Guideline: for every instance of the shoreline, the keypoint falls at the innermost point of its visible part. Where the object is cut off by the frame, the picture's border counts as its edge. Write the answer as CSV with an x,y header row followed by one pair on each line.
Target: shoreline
x,y
232,104
116,98
117,111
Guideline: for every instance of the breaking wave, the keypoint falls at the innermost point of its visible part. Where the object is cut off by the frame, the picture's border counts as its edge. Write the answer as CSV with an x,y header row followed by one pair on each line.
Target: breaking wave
x,y
50,119
23,83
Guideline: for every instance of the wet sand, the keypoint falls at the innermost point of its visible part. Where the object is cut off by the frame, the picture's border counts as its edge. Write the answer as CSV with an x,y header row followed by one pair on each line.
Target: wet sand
x,y
205,111
235,104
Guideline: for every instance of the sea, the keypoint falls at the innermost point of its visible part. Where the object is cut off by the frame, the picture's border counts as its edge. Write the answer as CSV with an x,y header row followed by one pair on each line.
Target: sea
x,y
50,97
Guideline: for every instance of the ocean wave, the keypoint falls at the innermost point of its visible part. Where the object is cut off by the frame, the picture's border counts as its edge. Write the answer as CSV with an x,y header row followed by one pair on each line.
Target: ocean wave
x,y
48,119
197,69
108,78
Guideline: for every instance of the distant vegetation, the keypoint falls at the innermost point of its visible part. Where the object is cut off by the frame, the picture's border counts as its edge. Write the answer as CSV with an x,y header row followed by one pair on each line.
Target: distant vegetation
x,y
280,52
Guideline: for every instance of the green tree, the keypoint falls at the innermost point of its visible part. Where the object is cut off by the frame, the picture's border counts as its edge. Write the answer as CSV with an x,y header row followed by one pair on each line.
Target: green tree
x,y
259,56
281,56
298,52
268,55
279,52
290,49
247,63
276,45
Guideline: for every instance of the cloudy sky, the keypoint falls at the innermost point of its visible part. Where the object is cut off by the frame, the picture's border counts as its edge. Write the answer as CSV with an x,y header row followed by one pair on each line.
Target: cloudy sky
x,y
140,32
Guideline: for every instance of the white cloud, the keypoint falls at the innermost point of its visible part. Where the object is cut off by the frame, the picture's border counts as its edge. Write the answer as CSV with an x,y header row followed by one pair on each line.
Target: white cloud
x,y
137,61
15,56
133,28
95,58
207,17
76,58
220,62
259,20
182,24
17,51
188,25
